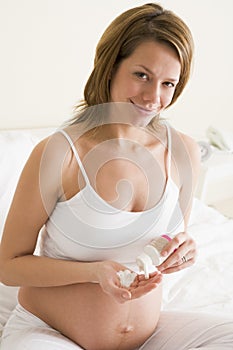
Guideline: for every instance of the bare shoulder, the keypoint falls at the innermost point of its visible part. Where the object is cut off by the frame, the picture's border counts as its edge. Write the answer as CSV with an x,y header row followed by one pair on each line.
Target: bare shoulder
x,y
51,151
187,152
42,172
191,145
54,142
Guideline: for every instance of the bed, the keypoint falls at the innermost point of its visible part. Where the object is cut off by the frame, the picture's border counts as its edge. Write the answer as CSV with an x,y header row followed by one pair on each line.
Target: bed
x,y
205,287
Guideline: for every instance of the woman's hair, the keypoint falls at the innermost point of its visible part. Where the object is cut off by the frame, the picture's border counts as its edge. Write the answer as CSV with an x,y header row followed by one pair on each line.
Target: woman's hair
x,y
120,39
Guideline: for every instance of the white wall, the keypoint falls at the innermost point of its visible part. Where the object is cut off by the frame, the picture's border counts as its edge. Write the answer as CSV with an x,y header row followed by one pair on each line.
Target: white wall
x,y
47,50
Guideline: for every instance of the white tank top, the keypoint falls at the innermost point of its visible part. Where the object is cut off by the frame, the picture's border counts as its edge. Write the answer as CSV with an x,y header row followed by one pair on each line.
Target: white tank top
x,y
87,228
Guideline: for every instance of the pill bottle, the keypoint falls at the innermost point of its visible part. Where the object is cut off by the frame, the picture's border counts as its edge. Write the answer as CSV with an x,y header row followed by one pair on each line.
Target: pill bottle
x,y
151,254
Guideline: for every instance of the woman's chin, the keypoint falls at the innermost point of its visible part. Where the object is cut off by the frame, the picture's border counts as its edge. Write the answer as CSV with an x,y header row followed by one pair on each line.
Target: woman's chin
x,y
129,113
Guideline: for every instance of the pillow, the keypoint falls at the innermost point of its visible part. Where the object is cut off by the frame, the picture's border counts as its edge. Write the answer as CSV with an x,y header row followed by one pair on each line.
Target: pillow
x,y
15,148
8,301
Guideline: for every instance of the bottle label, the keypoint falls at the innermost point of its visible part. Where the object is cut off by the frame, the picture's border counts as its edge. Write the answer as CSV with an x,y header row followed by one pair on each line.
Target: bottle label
x,y
160,242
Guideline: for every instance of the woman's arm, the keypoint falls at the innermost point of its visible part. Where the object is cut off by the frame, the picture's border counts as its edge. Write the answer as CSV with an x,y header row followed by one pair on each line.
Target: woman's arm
x,y
189,173
183,245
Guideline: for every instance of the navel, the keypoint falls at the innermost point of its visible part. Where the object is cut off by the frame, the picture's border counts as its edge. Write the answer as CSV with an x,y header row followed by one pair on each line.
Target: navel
x,y
126,329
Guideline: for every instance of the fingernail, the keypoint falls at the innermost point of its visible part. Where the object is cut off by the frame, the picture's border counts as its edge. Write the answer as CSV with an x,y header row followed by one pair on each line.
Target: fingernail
x,y
126,295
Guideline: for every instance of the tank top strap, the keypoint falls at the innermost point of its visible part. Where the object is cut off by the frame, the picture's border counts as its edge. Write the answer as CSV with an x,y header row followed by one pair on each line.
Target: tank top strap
x,y
169,149
81,167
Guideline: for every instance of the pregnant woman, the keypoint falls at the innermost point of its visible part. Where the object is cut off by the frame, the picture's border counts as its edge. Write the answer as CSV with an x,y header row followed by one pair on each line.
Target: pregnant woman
x,y
99,189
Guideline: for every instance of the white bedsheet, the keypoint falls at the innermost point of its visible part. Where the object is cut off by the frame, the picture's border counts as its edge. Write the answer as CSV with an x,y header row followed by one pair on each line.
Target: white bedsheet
x,y
207,286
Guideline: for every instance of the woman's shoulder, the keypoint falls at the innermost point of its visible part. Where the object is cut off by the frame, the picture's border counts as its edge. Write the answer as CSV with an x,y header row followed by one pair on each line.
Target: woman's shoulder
x,y
189,142
191,146
183,140
48,159
185,149
50,146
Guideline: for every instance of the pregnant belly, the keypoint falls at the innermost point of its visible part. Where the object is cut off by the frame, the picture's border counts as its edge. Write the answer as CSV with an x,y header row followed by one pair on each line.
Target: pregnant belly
x,y
93,319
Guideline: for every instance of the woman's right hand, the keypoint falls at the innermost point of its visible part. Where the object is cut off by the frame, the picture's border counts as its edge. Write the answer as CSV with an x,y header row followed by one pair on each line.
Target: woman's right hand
x,y
110,282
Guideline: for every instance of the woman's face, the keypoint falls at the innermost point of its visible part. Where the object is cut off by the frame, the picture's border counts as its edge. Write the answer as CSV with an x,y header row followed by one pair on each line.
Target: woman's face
x,y
146,80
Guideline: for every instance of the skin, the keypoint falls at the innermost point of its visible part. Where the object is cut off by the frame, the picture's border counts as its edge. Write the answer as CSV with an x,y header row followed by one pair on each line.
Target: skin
x,y
147,79
65,293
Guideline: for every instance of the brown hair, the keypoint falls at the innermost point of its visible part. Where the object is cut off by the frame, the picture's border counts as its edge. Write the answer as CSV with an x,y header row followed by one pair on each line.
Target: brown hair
x,y
123,35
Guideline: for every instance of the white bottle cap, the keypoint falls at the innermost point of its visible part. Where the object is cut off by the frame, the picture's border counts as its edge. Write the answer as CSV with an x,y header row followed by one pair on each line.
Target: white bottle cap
x,y
144,262
153,254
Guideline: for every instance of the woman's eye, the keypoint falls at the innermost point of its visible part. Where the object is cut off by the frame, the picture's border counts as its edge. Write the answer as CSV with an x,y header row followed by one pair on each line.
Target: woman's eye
x,y
142,75
169,84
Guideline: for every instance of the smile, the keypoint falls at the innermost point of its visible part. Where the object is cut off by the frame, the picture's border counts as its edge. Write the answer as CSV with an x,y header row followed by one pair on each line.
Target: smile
x,y
144,110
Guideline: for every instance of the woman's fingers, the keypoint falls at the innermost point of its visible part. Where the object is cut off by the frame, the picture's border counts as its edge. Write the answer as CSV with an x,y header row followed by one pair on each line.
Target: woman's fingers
x,y
110,279
181,253
176,267
143,286
138,288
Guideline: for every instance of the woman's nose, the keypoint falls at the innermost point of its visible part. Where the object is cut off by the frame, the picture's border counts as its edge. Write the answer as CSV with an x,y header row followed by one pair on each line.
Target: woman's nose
x,y
152,93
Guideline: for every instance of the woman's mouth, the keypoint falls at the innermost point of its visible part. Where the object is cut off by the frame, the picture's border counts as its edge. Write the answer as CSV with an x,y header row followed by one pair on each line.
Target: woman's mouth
x,y
144,110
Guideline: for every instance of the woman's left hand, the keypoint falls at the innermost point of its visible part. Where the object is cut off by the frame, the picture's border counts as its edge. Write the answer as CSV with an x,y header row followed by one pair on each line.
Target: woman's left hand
x,y
181,252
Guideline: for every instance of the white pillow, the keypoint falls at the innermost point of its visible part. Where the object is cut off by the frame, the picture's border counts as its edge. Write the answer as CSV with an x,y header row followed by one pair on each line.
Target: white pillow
x,y
15,148
8,300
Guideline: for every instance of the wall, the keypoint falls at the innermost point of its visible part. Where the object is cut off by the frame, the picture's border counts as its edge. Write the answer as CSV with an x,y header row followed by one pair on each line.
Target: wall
x,y
47,49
